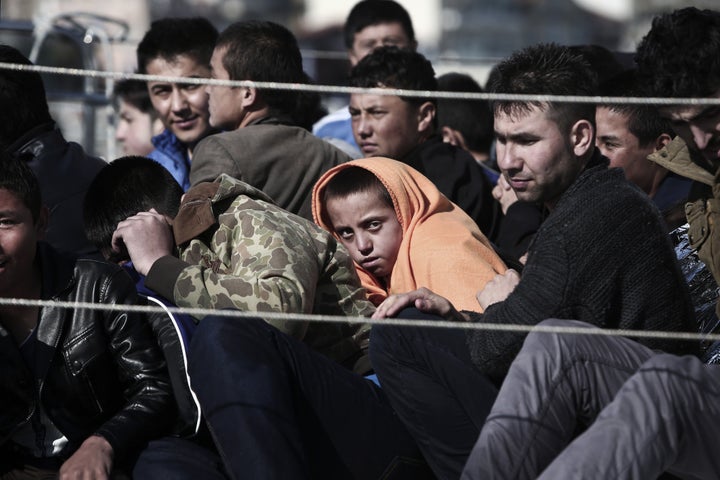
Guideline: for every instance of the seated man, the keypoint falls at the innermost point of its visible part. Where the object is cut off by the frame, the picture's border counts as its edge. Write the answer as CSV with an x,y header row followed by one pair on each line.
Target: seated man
x,y
587,262
83,390
178,47
648,413
402,232
62,168
262,144
404,129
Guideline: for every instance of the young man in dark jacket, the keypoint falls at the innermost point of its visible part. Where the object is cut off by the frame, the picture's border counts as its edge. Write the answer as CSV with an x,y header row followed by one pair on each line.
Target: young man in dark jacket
x,y
83,390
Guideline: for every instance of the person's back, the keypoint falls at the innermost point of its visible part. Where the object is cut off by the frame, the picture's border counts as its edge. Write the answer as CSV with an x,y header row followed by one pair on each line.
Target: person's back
x,y
63,169
262,145
402,233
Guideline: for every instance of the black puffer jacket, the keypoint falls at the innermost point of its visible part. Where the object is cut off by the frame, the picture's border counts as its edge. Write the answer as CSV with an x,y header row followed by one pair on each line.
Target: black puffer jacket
x,y
98,372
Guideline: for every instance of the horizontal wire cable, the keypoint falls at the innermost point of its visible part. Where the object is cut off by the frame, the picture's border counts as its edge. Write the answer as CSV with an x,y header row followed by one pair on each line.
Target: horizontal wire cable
x,y
660,101
655,334
299,317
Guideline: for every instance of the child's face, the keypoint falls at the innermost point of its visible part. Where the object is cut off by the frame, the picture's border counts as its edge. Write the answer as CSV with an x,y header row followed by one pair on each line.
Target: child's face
x,y
19,234
369,229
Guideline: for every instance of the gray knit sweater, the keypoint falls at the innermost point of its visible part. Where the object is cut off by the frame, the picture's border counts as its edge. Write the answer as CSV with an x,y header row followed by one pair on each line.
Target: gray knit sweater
x,y
602,256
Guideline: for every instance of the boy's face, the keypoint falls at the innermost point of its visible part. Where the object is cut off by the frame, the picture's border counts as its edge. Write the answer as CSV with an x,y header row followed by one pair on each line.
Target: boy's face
x,y
19,235
369,229
387,125
134,130
378,35
535,157
182,107
622,148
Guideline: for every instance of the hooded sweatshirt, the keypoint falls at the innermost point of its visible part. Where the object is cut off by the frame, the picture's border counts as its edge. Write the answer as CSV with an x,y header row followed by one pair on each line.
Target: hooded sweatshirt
x,y
442,247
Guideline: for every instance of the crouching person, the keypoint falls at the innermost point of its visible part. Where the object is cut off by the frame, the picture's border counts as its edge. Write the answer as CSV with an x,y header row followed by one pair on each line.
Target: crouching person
x,y
82,391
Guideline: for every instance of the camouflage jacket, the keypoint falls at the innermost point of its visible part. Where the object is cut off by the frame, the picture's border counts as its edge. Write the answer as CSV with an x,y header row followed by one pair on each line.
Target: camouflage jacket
x,y
239,250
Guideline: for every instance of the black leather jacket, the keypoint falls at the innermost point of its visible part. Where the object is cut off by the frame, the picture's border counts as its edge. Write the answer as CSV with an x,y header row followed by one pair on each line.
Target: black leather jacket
x,y
98,372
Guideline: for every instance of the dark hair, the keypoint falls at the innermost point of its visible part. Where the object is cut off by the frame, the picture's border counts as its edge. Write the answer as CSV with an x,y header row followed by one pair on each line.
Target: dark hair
x,y
123,188
644,121
17,178
264,52
472,118
374,12
393,67
548,69
135,93
603,61
680,55
22,98
170,37
354,180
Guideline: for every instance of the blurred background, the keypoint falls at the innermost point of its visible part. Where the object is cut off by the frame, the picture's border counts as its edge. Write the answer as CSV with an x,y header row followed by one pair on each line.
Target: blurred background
x,y
467,36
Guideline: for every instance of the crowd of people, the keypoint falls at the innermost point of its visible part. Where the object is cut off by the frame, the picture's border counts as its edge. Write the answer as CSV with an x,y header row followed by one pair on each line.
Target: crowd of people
x,y
257,201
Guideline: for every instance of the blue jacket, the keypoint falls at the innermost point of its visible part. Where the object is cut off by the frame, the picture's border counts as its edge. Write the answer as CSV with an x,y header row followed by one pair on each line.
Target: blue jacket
x,y
172,154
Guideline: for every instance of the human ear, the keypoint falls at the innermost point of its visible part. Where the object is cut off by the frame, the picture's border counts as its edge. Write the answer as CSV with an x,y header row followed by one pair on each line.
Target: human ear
x,y
660,142
582,136
426,116
248,96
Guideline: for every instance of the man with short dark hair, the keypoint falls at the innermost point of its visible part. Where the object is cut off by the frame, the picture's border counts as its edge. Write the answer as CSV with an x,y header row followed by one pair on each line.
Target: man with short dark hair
x,y
404,129
178,47
641,412
443,382
62,168
370,24
262,146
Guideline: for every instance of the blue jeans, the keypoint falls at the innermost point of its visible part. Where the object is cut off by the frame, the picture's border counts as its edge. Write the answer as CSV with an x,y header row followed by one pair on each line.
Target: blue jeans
x,y
279,410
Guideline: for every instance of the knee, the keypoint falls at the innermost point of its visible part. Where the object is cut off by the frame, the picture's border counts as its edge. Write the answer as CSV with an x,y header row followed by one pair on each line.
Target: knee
x,y
216,337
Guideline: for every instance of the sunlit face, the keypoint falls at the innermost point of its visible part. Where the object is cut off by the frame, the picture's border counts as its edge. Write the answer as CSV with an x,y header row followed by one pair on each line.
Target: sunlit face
x,y
226,108
18,239
387,125
535,157
134,130
369,229
622,148
378,35
182,107
699,126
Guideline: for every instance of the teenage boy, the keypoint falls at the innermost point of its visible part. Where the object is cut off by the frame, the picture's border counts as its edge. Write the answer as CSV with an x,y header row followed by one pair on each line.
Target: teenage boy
x,y
402,232
404,129
370,24
83,390
178,47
